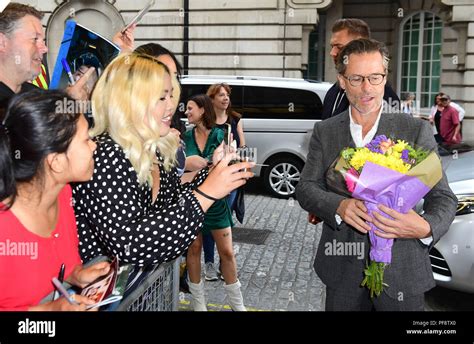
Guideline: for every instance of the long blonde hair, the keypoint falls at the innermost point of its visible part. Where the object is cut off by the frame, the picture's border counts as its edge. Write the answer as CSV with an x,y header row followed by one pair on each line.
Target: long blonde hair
x,y
123,97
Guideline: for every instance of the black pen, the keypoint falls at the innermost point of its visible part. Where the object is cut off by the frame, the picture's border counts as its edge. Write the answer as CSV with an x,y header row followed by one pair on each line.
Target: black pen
x,y
60,278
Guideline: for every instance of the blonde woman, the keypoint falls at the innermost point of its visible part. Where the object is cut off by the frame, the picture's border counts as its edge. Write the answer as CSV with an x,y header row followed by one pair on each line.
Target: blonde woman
x,y
134,207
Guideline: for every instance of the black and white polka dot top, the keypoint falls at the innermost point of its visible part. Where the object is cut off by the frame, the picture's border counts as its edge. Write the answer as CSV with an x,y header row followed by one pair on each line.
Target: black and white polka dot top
x,y
116,216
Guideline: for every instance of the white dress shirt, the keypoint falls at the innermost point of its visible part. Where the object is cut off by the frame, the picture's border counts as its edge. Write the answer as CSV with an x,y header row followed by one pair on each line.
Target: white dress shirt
x,y
356,130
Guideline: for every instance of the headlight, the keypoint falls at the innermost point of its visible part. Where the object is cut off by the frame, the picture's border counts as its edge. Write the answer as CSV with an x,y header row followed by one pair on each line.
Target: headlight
x,y
465,205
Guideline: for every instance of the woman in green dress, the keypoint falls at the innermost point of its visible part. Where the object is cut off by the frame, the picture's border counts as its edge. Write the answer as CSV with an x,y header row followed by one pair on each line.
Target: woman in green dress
x,y
201,141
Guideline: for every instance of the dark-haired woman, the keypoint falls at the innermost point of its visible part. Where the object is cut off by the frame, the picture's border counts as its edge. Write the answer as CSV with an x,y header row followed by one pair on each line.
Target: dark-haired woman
x,y
201,141
225,115
163,55
42,149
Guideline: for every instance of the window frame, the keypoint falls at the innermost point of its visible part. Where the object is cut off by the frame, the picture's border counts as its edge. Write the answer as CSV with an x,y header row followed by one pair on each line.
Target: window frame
x,y
420,62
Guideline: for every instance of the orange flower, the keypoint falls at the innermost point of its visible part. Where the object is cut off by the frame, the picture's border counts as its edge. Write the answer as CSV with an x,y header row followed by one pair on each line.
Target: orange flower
x,y
386,145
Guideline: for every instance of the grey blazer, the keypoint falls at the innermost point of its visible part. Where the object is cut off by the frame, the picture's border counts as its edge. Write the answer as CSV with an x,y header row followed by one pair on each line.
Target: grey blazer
x,y
410,271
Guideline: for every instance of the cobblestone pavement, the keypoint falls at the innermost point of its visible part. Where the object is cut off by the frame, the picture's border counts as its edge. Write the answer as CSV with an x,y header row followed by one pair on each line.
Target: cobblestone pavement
x,y
278,275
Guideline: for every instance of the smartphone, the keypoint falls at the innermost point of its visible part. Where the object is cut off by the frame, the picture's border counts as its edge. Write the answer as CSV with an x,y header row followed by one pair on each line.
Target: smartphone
x,y
228,142
228,134
139,16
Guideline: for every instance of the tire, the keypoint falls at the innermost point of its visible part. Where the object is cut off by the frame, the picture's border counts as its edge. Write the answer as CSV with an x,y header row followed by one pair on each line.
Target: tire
x,y
282,175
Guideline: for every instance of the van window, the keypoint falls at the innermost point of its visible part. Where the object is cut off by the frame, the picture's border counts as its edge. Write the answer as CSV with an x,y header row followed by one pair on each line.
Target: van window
x,y
281,103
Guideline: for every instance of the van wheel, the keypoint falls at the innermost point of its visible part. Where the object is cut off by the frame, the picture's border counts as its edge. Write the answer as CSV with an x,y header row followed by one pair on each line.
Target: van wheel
x,y
282,175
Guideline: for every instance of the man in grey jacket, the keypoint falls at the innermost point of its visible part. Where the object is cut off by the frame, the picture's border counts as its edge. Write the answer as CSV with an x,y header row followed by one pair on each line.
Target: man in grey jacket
x,y
362,66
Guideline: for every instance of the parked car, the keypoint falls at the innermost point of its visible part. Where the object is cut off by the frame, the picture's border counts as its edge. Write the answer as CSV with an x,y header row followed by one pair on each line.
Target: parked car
x,y
452,258
278,119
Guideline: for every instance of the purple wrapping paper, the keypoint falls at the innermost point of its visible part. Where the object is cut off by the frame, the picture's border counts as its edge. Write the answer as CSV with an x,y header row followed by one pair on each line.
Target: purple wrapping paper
x,y
378,184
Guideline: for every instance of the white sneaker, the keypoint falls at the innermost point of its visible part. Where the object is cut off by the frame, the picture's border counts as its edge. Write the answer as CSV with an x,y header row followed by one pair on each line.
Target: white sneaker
x,y
210,273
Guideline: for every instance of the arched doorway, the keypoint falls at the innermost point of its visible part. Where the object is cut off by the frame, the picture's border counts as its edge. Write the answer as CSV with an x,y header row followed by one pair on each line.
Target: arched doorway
x,y
99,16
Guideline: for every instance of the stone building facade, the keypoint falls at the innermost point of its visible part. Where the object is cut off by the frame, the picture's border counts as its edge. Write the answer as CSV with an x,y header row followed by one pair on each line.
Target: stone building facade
x,y
431,42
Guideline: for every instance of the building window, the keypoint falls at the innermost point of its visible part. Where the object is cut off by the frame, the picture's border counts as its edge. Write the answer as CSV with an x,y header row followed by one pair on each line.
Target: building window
x,y
317,51
421,36
420,71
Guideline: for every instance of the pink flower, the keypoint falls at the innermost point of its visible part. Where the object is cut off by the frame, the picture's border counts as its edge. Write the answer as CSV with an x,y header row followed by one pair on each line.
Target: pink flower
x,y
351,177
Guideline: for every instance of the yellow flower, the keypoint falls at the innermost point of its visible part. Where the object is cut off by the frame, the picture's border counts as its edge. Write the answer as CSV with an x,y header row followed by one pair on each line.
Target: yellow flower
x,y
400,146
359,158
393,162
396,154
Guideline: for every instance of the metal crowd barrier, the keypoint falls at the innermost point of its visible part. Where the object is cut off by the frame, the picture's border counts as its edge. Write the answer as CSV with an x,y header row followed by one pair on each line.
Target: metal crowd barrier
x,y
157,292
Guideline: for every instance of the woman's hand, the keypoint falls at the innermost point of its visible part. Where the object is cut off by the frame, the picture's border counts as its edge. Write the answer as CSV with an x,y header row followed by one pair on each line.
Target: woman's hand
x,y
223,179
195,163
218,154
83,276
125,40
80,90
62,304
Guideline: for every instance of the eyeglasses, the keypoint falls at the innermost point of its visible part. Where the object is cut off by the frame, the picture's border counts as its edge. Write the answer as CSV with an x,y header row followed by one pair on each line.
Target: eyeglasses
x,y
357,80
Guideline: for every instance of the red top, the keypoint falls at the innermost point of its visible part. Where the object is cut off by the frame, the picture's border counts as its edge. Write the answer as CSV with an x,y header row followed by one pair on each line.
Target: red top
x,y
449,121
28,262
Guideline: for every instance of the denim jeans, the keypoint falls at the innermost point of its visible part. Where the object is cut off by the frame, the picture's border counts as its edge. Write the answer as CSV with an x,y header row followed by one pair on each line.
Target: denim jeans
x,y
208,245
231,199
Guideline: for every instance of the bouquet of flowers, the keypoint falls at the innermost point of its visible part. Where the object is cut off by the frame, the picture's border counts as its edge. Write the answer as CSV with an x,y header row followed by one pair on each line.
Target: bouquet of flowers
x,y
391,173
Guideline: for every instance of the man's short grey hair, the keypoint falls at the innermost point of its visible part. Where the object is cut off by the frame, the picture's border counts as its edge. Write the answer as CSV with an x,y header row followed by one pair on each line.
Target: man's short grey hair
x,y
358,47
10,16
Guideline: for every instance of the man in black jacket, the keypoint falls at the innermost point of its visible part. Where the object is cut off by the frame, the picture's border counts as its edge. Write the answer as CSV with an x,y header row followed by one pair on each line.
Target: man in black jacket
x,y
344,31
